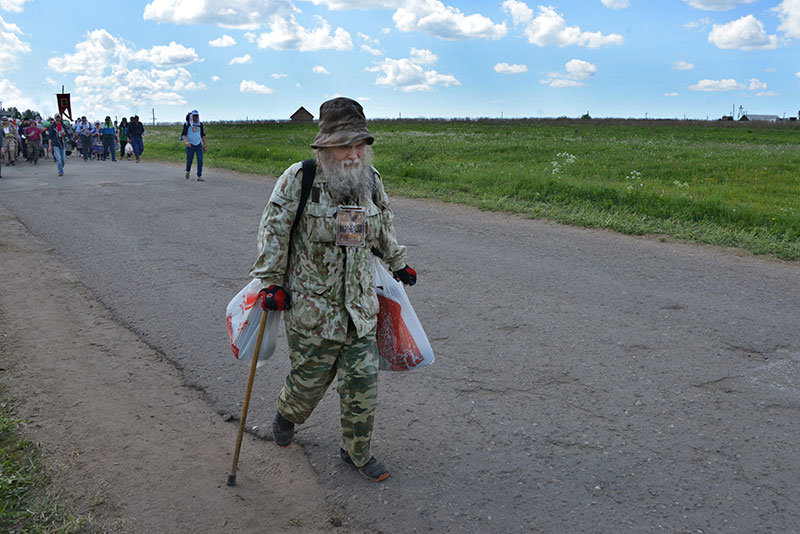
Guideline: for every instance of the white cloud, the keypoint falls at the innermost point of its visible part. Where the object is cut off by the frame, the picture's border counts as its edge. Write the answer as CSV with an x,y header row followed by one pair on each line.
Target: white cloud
x,y
671,94
577,72
14,97
334,5
278,75
15,6
168,56
768,93
370,50
445,22
423,57
250,37
222,42
288,34
716,85
105,80
249,86
717,5
550,28
770,69
215,78
241,60
746,33
93,55
408,74
319,69
242,14
370,45
616,4
700,24
505,68
789,13
429,16
12,46
757,85
682,65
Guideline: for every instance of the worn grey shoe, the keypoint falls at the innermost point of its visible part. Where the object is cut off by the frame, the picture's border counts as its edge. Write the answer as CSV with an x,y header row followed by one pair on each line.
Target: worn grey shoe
x,y
373,470
186,175
282,430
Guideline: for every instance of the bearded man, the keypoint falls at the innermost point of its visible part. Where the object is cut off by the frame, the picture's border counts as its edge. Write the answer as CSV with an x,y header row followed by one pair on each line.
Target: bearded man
x,y
318,270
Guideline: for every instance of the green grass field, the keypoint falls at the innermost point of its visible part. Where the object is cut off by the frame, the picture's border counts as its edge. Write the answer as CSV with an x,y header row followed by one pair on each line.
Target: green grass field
x,y
723,183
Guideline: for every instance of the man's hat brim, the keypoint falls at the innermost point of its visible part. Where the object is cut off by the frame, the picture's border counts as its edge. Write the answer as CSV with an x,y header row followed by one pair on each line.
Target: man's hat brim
x,y
341,138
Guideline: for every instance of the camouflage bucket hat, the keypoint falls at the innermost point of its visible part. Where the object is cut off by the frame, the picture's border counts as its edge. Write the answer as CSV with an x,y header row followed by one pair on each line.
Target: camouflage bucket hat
x,y
341,122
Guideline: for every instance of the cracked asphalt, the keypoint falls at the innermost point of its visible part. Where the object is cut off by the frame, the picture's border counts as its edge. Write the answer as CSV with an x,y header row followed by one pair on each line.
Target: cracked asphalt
x,y
585,380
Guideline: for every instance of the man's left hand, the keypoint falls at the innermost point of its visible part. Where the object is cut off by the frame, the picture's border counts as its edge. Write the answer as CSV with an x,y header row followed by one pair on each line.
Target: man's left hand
x,y
407,275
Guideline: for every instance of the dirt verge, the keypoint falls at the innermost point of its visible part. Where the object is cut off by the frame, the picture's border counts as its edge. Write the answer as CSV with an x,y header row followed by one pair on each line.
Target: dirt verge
x,y
125,440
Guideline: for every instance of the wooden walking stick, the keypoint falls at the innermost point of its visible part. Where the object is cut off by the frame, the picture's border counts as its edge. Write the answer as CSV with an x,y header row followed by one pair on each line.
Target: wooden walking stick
x,y
253,364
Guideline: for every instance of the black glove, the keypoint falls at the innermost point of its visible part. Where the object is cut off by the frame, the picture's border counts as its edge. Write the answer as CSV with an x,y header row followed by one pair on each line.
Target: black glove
x,y
407,275
274,298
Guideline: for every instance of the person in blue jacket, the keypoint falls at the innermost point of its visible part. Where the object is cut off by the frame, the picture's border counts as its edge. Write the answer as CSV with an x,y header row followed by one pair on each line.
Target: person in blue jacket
x,y
194,135
109,134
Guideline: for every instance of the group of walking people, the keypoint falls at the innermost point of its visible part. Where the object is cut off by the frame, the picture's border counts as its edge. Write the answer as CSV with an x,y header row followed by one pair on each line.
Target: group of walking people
x,y
33,139
101,140
23,139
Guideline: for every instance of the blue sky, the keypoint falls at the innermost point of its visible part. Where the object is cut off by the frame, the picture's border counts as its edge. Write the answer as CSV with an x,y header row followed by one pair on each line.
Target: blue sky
x,y
411,58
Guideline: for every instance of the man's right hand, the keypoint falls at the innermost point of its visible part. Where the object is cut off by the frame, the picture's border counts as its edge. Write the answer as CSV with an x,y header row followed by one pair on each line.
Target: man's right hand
x,y
274,298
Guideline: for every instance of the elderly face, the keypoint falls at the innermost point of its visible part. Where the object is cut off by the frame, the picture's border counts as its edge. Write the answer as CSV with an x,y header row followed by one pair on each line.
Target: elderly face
x,y
349,154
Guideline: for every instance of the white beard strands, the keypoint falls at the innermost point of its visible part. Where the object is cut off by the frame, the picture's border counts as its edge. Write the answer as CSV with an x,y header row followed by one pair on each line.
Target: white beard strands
x,y
347,184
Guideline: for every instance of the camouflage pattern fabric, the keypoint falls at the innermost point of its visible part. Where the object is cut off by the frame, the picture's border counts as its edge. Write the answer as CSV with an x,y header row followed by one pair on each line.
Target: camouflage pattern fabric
x,y
331,324
33,150
330,285
315,362
10,148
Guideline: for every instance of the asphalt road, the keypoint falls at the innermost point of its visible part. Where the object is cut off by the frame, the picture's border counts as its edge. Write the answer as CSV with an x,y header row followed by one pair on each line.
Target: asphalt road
x,y
585,381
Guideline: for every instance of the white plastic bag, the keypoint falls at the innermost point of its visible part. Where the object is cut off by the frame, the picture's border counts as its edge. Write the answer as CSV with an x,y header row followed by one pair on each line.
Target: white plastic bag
x,y
242,319
402,343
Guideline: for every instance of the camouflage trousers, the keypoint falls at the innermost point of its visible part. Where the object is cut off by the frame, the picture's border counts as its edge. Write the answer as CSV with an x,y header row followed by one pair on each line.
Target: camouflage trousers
x,y
33,150
354,363
10,149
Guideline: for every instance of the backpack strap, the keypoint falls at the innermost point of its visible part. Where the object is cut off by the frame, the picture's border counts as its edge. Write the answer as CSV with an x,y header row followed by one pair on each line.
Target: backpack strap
x,y
309,172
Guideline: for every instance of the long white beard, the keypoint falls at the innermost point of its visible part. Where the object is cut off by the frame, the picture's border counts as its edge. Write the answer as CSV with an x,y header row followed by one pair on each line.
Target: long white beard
x,y
347,183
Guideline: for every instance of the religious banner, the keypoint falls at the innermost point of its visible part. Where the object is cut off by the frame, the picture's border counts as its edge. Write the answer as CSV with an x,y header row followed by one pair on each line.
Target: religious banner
x,y
64,107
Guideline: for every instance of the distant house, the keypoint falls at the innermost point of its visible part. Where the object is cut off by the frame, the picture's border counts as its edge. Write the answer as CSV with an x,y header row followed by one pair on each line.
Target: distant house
x,y
765,118
302,115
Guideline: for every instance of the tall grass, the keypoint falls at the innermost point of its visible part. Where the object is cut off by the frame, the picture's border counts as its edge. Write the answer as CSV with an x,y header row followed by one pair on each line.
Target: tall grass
x,y
723,183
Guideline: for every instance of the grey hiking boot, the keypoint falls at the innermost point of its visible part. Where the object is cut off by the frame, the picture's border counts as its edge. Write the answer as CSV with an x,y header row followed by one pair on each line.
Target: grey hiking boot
x,y
282,430
373,470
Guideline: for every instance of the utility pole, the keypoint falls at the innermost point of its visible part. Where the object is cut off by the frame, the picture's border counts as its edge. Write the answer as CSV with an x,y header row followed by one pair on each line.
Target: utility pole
x,y
154,116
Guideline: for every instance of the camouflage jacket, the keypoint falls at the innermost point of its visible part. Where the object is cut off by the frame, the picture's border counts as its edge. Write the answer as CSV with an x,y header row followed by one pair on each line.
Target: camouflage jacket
x,y
328,283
